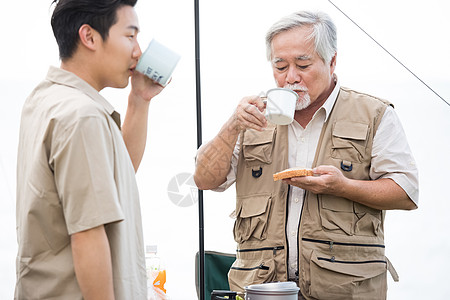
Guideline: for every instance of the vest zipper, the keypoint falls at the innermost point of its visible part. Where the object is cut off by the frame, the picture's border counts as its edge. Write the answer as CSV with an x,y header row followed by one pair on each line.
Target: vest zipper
x,y
298,235
261,266
333,260
285,233
274,249
332,243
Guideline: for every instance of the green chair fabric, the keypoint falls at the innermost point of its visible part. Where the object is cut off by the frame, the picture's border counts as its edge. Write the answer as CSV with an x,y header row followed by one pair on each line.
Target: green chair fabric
x,y
217,265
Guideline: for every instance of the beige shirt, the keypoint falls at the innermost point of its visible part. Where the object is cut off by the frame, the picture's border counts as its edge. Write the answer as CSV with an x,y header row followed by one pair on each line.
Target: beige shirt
x,y
73,174
391,158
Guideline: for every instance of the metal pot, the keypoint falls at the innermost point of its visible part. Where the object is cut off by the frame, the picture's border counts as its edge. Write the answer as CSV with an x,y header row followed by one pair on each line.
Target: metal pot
x,y
272,291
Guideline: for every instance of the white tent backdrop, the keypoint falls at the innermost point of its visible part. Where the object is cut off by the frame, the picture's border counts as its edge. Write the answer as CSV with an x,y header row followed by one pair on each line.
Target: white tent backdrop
x,y
234,65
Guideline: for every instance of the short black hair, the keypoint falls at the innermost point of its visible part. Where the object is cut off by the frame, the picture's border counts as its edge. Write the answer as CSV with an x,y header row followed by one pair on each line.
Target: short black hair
x,y
69,15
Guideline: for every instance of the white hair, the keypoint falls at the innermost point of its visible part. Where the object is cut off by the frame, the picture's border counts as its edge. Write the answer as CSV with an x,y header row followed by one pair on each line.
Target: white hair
x,y
323,32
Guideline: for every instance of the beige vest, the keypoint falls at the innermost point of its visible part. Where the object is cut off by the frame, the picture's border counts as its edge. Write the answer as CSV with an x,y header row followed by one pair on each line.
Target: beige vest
x,y
341,242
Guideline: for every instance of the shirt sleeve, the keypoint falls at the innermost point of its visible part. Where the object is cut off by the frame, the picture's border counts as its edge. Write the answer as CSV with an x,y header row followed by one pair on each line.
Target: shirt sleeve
x,y
83,163
392,157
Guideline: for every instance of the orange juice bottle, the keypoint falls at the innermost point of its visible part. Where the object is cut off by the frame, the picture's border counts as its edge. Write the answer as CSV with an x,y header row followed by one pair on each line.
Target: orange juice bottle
x,y
160,280
156,275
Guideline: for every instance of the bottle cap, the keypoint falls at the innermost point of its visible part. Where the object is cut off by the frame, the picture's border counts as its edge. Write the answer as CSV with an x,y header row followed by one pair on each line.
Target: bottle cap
x,y
151,249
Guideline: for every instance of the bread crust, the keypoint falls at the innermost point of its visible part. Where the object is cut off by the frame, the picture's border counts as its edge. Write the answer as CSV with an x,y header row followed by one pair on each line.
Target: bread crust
x,y
293,172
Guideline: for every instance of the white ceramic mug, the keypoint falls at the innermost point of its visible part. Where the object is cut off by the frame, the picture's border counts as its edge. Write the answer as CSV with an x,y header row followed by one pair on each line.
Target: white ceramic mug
x,y
158,62
280,105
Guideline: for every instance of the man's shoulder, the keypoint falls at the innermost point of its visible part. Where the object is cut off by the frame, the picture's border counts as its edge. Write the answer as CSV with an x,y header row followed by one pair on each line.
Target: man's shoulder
x,y
351,94
65,101
60,106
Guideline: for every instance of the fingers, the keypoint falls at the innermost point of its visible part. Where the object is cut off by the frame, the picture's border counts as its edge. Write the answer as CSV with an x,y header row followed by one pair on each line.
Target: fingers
x,y
303,181
328,180
144,87
326,170
259,103
309,183
249,114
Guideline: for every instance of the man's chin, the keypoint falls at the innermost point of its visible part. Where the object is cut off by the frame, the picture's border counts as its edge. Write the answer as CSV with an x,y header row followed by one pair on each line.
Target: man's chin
x,y
122,84
302,103
125,84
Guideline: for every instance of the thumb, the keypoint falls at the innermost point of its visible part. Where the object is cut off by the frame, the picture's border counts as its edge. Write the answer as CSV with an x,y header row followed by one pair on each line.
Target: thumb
x,y
321,170
261,104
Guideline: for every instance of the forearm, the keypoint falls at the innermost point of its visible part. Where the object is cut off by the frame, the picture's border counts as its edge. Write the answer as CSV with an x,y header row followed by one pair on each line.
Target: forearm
x,y
214,158
134,129
92,263
383,194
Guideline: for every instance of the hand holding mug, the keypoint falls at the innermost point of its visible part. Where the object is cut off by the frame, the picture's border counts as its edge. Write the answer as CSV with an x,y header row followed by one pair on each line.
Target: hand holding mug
x,y
249,114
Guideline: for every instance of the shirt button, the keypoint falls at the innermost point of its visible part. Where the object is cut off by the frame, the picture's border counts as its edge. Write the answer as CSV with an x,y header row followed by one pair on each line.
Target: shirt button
x,y
303,140
296,200
293,266
293,233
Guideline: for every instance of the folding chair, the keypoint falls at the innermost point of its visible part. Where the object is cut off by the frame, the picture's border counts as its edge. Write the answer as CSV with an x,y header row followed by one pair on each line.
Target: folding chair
x,y
217,265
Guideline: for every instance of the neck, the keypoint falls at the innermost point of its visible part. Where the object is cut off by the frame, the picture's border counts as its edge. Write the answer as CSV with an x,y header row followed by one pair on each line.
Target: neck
x,y
304,116
80,69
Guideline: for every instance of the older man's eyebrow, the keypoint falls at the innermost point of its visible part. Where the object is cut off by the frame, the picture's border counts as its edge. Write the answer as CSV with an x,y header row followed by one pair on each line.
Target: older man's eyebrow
x,y
277,60
303,57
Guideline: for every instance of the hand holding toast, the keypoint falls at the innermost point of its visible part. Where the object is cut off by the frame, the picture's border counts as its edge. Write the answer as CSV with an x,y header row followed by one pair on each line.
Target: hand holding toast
x,y
327,180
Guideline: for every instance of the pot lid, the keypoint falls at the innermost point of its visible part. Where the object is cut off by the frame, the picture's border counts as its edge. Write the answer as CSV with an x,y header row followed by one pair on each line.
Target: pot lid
x,y
273,287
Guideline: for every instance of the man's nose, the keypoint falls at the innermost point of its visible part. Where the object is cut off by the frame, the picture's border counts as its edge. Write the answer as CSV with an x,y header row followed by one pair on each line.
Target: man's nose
x,y
293,76
137,51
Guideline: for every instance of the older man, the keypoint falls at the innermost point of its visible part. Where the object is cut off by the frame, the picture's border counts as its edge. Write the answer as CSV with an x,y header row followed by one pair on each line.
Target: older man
x,y
324,232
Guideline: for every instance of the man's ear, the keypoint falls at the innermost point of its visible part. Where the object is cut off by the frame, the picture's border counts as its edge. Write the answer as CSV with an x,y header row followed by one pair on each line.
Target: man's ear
x,y
333,63
89,37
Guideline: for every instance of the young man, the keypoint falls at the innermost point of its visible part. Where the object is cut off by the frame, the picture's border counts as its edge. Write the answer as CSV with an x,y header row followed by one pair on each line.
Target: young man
x,y
78,214
324,232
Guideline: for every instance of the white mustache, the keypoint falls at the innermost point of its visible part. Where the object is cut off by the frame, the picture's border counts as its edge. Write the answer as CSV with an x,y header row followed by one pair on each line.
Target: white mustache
x,y
296,87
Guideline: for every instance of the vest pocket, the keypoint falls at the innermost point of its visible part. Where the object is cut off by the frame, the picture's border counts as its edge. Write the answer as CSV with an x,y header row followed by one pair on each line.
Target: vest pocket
x,y
336,214
343,216
333,278
245,272
349,141
257,146
252,213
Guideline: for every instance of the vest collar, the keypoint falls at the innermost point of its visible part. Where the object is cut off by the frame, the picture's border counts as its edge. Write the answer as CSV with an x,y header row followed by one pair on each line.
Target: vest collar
x,y
328,105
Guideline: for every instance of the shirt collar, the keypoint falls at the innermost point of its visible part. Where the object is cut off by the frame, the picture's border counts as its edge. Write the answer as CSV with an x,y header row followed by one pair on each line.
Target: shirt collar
x,y
63,77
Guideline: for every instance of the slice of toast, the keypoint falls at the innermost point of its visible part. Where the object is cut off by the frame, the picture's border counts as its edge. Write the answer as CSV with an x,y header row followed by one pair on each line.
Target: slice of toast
x,y
293,172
